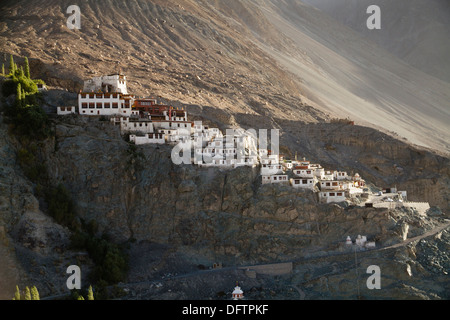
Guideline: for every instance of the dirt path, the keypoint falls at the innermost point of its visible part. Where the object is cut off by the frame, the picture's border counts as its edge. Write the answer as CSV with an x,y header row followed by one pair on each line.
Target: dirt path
x,y
422,236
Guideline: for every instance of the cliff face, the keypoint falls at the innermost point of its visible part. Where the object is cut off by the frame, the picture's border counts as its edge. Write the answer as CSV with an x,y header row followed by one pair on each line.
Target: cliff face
x,y
201,215
139,193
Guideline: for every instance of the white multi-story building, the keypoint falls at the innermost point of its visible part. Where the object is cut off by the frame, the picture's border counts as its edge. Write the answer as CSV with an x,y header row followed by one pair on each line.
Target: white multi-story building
x,y
155,138
334,185
111,83
271,169
106,104
340,175
329,196
277,178
304,173
303,183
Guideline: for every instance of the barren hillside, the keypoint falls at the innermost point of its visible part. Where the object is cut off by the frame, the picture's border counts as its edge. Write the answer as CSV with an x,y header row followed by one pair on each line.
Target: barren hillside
x,y
416,31
269,58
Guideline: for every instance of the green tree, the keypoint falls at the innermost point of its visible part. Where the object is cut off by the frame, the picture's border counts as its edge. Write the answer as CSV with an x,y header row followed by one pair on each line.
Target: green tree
x,y
90,294
3,69
80,297
34,293
27,293
17,294
11,65
19,95
20,72
27,69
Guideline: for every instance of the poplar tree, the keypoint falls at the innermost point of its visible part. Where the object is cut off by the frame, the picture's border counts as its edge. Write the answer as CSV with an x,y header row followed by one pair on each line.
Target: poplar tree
x,y
27,293
19,95
17,294
27,69
34,293
11,65
90,295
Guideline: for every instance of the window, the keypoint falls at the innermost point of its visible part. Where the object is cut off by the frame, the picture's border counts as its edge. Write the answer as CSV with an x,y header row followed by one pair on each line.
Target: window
x,y
99,105
91,105
332,194
304,181
339,194
297,181
327,184
107,105
83,96
63,109
115,105
99,96
84,105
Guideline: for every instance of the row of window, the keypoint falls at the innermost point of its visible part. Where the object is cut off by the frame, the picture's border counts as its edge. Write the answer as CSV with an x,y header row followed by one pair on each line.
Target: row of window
x,y
99,95
99,105
302,181
333,194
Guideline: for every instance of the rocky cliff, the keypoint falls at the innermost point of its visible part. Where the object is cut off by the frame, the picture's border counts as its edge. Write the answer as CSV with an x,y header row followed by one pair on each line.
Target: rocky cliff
x,y
200,216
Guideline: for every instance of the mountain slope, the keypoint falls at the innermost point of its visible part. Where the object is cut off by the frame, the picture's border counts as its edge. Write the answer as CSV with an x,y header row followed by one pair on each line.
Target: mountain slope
x,y
416,31
269,58
346,73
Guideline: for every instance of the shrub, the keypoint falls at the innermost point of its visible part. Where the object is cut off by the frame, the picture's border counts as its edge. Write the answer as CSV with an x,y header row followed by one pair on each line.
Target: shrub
x,y
9,86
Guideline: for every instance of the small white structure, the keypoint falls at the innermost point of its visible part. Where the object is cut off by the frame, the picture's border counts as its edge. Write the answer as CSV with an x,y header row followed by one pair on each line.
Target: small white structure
x,y
340,175
304,173
370,245
277,178
303,183
333,185
361,240
62,111
330,196
237,293
142,126
348,241
157,138
271,169
41,87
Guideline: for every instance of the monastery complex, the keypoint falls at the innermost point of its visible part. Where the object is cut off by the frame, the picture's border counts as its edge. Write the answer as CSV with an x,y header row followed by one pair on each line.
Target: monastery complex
x,y
147,122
